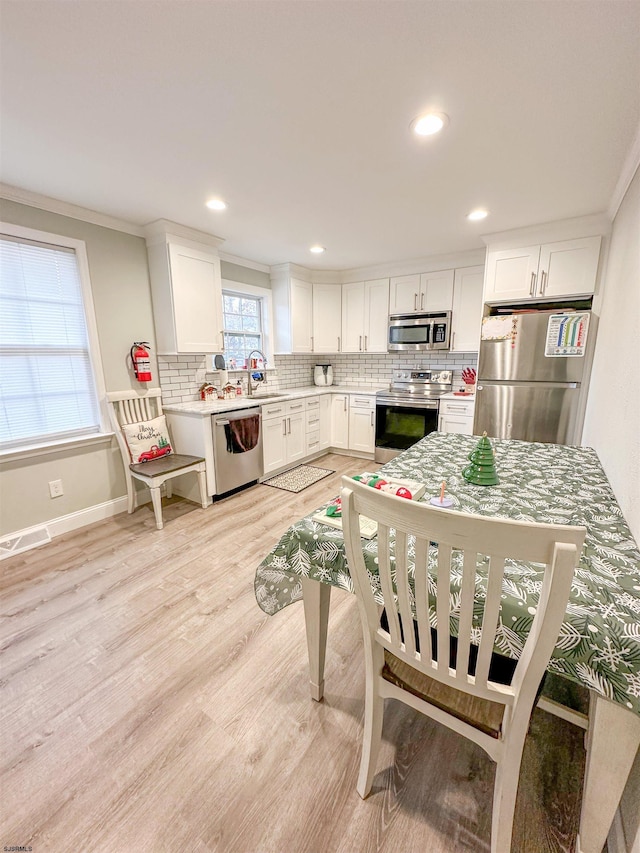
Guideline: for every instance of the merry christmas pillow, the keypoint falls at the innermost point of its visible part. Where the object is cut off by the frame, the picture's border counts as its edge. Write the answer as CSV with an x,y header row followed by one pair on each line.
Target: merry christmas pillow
x,y
148,440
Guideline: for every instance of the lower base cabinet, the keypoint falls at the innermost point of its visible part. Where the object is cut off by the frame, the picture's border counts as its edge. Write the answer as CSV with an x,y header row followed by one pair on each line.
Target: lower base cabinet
x,y
284,434
362,424
456,416
325,421
340,421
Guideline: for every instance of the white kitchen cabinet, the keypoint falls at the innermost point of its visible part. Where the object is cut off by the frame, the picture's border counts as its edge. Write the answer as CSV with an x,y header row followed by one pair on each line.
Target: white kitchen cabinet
x,y
456,415
301,301
466,312
376,314
548,271
353,317
186,288
312,424
362,423
404,293
365,316
340,421
327,318
293,313
432,291
325,421
274,443
283,434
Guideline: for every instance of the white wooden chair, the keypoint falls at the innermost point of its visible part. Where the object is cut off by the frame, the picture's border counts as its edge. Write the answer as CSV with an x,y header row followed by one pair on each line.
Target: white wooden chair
x,y
129,407
453,687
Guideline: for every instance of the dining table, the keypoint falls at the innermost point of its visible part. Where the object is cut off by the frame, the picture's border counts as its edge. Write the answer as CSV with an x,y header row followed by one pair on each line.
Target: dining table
x,y
598,646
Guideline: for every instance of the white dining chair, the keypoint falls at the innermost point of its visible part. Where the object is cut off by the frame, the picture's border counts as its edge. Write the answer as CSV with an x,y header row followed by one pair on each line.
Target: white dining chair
x,y
131,407
444,679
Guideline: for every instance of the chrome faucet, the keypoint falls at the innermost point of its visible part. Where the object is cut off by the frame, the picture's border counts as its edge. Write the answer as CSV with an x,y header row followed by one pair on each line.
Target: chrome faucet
x,y
250,390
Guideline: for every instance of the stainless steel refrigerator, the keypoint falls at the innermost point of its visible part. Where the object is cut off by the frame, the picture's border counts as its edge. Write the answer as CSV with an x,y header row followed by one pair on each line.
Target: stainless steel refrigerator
x,y
531,368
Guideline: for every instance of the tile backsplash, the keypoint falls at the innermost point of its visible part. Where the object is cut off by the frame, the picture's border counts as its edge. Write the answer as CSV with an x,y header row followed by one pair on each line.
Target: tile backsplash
x,y
182,375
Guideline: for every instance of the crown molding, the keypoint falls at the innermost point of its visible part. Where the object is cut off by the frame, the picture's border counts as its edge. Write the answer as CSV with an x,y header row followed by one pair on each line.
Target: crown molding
x,y
289,269
162,229
64,208
629,169
452,260
243,262
597,224
431,263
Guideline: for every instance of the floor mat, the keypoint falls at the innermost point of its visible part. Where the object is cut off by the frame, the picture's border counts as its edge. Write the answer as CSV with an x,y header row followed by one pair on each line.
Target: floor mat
x,y
298,478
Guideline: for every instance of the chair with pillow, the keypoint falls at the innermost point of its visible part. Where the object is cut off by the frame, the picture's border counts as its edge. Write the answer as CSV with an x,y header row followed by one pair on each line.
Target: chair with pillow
x,y
453,680
145,444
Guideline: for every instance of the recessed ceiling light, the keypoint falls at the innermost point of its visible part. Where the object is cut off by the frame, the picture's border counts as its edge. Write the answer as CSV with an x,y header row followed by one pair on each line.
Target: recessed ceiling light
x,y
475,215
428,124
216,204
317,250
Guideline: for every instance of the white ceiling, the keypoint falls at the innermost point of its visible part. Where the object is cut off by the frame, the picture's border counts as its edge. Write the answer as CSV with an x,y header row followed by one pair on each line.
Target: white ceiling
x,y
297,114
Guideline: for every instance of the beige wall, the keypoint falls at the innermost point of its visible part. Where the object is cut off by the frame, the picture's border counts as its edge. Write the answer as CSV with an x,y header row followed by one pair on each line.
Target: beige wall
x,y
613,410
245,275
122,299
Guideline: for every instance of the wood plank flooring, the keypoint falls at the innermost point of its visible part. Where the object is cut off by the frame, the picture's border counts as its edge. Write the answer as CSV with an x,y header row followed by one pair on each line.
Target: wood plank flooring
x,y
149,705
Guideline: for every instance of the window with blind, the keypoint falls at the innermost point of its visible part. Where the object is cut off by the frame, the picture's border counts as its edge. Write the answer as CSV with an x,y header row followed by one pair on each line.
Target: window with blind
x,y
47,384
242,319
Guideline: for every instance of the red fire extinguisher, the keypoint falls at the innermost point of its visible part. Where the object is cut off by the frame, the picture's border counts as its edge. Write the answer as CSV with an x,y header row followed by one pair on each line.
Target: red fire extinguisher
x,y
141,361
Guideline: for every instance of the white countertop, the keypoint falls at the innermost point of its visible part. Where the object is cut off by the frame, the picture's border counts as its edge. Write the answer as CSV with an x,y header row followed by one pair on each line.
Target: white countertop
x,y
213,407
451,395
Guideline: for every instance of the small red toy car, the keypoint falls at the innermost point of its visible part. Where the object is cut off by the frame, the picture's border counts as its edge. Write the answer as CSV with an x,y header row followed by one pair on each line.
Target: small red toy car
x,y
154,453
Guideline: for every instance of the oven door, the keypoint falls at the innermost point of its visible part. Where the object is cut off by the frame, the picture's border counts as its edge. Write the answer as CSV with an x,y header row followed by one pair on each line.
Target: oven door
x,y
400,424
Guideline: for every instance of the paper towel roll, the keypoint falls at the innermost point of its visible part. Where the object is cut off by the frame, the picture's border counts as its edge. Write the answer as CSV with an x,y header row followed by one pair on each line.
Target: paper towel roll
x,y
224,377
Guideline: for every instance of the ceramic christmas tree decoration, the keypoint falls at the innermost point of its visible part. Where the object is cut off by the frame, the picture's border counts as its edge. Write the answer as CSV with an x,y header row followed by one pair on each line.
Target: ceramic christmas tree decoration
x,y
482,471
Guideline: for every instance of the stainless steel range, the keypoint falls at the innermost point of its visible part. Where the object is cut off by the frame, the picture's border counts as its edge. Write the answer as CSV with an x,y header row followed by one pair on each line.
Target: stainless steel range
x,y
408,410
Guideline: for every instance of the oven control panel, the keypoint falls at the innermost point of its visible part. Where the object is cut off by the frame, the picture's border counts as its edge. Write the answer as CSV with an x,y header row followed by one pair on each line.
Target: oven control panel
x,y
422,377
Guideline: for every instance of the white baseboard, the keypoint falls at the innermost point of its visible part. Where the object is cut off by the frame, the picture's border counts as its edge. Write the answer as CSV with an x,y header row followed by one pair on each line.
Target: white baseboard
x,y
66,523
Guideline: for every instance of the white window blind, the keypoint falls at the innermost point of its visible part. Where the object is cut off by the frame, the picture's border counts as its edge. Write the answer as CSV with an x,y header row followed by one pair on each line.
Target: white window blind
x,y
242,320
47,386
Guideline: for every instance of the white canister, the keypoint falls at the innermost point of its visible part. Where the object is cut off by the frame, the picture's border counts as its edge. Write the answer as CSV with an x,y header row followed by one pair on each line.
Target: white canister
x,y
323,374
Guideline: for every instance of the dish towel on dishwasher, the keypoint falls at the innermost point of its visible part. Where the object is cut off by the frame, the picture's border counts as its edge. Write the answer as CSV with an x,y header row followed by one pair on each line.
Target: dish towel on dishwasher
x,y
242,435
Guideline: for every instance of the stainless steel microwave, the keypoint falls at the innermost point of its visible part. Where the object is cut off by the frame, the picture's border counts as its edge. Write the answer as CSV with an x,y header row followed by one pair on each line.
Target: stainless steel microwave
x,y
419,332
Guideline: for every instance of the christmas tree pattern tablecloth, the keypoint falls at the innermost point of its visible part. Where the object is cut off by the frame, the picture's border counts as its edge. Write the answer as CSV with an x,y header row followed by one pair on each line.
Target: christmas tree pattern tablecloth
x,y
599,643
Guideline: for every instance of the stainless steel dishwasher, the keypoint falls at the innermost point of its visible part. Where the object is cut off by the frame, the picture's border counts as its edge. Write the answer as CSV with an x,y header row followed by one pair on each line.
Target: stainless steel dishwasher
x,y
237,448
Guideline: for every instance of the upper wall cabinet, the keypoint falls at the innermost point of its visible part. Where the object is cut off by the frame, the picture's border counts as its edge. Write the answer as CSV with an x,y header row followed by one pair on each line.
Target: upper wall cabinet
x,y
365,316
432,291
548,271
327,318
186,288
466,313
293,314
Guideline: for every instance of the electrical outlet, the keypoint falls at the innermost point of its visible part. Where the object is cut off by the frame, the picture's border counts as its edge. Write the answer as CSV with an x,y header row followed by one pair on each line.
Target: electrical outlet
x,y
55,488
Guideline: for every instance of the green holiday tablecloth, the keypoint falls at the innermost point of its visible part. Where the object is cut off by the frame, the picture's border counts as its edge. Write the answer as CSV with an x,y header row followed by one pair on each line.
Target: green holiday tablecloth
x,y
599,643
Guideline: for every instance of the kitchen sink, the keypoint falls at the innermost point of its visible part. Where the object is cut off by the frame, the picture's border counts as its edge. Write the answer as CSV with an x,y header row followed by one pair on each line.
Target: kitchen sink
x,y
266,396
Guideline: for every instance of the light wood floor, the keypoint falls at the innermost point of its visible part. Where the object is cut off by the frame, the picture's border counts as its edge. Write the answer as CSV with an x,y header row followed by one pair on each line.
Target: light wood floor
x,y
149,705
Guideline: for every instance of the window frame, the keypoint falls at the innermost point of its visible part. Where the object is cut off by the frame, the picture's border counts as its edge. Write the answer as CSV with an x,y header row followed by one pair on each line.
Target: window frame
x,y
40,445
238,288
